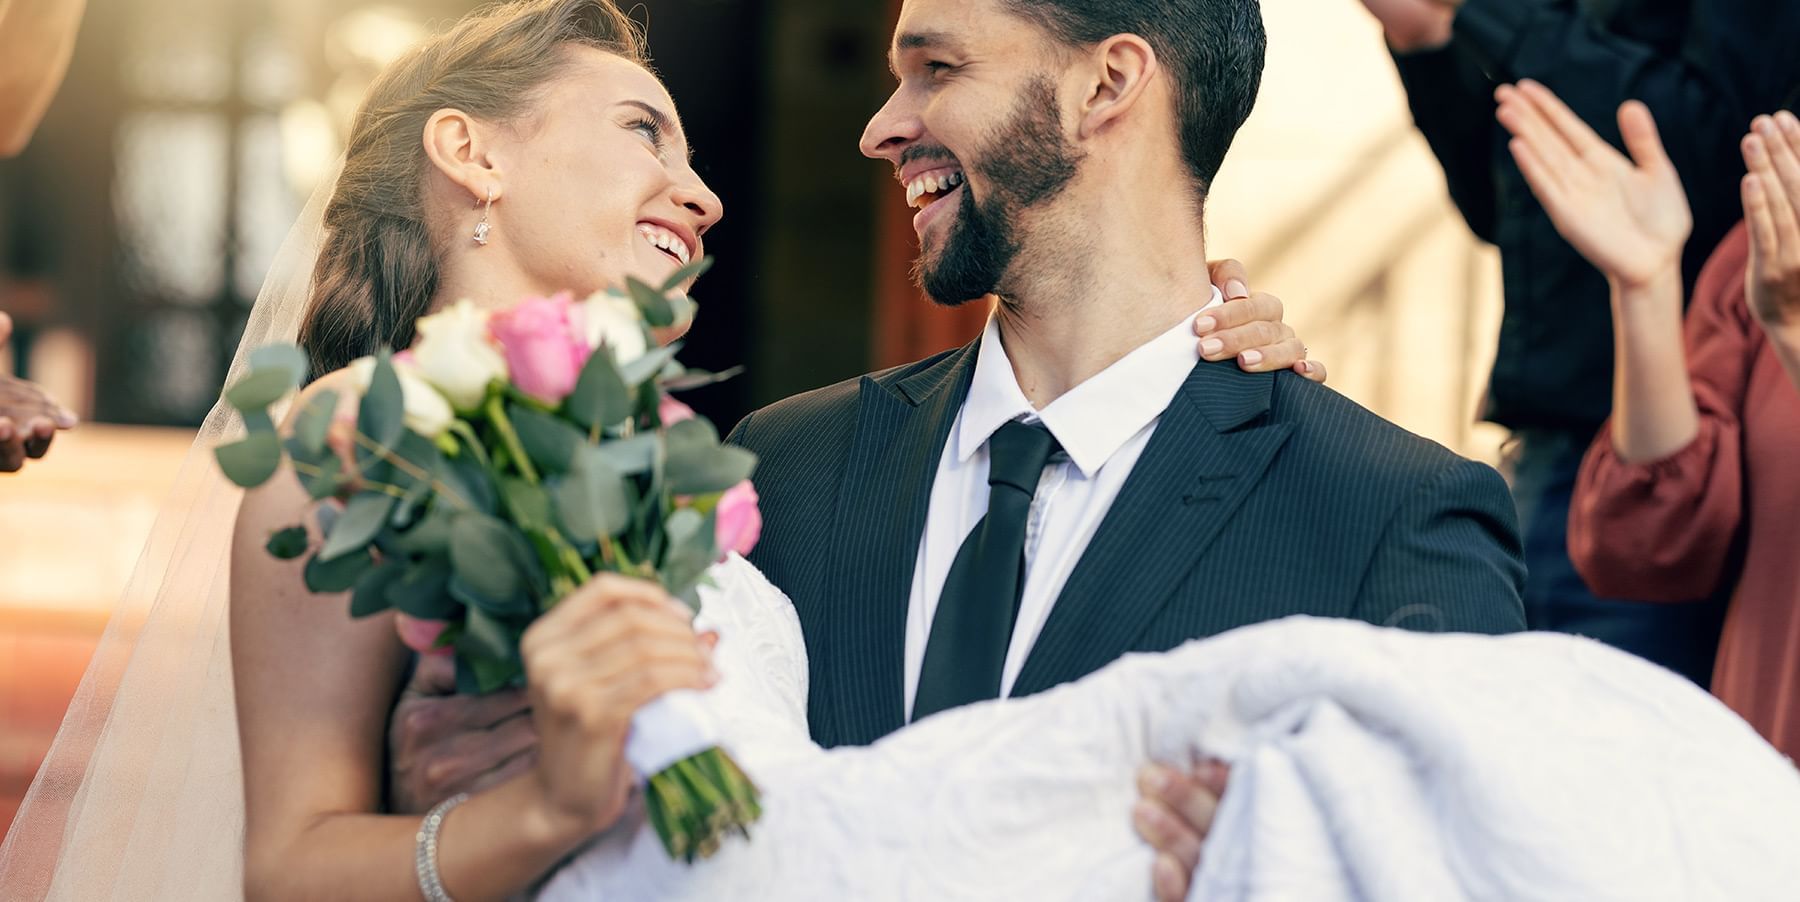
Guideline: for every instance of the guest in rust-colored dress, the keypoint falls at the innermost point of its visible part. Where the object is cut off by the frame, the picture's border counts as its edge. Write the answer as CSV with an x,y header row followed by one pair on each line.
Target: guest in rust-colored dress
x,y
1693,486
1726,507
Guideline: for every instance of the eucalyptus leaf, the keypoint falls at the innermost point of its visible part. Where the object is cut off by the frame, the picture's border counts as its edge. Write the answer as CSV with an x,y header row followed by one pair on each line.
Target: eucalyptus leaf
x,y
650,365
322,476
493,563
600,398
689,272
363,518
370,594
258,421
382,415
423,590
629,456
692,548
418,451
259,389
469,484
651,303
591,501
314,421
287,544
283,357
337,575
528,505
429,536
692,379
550,442
698,465
251,461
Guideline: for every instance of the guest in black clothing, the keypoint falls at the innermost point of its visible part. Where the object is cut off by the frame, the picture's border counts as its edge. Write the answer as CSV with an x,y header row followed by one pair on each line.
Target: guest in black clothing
x,y
1704,69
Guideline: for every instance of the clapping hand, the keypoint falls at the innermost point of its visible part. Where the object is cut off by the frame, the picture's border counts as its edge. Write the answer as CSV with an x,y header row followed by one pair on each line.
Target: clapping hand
x,y
1627,216
1413,25
29,418
1772,209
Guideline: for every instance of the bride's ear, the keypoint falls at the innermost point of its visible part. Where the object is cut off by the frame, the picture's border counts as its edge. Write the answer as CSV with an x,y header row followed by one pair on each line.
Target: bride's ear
x,y
455,142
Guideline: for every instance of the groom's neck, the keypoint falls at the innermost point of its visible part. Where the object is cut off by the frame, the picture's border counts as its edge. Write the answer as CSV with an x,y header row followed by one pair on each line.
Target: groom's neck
x,y
1082,297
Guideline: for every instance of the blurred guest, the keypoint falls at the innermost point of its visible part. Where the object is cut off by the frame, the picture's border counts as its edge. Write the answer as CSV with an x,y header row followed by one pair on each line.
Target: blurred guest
x,y
28,417
1698,66
36,40
1691,486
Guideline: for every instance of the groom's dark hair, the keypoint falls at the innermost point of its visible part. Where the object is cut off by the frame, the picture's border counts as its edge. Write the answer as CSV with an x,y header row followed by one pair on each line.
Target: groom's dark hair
x,y
1212,49
377,270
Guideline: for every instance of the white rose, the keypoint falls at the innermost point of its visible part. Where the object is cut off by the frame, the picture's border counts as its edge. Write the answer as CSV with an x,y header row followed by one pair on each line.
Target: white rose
x,y
456,354
615,322
426,411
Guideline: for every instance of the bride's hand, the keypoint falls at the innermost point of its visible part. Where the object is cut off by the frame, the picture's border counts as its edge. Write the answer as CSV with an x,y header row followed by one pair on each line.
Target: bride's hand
x,y
591,663
1173,814
1249,326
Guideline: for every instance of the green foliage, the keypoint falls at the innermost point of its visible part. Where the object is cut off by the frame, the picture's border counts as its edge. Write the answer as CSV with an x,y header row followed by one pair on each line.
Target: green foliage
x,y
250,461
288,543
382,415
550,442
363,518
591,501
601,398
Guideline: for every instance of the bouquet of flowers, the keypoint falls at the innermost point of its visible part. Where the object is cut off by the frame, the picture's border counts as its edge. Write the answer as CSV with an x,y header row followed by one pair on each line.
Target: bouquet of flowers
x,y
499,464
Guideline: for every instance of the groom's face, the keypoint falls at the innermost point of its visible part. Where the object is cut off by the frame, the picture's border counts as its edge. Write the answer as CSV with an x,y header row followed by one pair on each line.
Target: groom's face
x,y
976,136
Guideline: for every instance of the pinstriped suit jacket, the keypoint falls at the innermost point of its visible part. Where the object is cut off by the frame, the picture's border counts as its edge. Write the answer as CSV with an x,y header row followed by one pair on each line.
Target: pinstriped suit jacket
x,y
1258,496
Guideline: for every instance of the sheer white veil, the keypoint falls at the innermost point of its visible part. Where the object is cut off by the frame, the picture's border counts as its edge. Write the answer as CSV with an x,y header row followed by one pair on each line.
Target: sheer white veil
x,y
141,795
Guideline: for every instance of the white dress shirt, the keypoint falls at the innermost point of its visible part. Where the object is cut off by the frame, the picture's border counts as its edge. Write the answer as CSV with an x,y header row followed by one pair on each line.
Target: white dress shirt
x,y
1102,424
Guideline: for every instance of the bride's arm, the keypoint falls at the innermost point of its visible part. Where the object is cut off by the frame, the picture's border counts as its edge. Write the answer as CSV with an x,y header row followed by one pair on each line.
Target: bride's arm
x,y
314,688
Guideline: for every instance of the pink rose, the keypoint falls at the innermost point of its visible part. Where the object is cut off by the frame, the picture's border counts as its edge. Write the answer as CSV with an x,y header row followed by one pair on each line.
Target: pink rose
x,y
738,521
421,635
671,411
545,346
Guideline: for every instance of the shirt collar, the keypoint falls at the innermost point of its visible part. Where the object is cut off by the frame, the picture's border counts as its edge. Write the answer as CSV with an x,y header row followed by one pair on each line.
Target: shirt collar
x,y
1094,419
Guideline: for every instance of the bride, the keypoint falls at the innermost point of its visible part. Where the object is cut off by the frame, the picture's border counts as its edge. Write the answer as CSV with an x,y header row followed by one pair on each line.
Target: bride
x,y
1409,766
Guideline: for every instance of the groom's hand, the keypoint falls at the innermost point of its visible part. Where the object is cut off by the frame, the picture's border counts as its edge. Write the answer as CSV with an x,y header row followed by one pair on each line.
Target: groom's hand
x,y
1173,814
440,743
1248,327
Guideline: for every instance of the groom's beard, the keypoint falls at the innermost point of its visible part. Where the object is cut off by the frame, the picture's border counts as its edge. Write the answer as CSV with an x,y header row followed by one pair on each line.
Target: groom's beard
x,y
1026,162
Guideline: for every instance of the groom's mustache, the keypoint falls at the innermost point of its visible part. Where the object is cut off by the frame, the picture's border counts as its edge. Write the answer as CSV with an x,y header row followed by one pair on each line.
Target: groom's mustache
x,y
916,154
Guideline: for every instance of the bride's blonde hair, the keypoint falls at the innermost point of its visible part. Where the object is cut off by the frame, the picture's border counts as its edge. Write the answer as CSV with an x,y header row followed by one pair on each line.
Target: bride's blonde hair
x,y
377,270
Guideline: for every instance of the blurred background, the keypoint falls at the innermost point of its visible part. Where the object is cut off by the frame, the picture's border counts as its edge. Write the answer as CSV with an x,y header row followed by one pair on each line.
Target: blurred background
x,y
135,231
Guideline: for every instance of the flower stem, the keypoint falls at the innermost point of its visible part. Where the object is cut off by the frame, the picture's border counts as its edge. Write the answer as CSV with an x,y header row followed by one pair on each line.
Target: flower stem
x,y
411,469
496,412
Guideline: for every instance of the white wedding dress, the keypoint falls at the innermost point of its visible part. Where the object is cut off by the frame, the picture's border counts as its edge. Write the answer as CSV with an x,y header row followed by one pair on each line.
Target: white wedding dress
x,y
1368,764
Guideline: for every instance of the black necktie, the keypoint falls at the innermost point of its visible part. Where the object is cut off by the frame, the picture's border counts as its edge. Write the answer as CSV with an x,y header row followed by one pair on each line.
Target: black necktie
x,y
973,624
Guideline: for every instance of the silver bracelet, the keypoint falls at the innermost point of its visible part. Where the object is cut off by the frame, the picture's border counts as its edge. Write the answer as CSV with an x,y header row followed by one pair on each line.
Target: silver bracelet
x,y
425,853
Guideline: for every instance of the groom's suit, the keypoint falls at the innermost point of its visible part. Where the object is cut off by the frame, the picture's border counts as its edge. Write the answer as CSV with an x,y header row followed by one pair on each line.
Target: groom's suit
x,y
1258,496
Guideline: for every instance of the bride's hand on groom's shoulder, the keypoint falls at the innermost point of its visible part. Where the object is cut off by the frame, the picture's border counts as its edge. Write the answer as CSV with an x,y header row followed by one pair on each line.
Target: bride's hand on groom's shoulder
x,y
1249,327
591,663
1173,814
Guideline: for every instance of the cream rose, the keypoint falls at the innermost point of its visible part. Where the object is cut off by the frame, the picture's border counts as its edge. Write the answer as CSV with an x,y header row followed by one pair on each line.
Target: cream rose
x,y
426,411
456,355
614,322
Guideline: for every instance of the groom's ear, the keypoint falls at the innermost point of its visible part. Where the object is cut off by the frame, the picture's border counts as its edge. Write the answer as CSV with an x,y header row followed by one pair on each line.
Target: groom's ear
x,y
455,142
1121,69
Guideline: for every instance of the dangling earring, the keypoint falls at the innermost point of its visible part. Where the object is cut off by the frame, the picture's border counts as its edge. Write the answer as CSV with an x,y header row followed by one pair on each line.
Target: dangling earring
x,y
482,227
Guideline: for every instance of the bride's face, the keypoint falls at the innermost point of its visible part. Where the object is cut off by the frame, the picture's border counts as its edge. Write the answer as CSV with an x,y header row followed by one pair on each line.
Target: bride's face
x,y
597,182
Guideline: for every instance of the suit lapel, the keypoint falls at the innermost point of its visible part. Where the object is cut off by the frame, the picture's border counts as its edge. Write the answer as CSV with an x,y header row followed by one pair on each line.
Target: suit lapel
x,y
880,519
1209,450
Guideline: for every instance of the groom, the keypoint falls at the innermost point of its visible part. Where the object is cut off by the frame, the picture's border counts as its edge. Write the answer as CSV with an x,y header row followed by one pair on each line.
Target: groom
x,y
1076,484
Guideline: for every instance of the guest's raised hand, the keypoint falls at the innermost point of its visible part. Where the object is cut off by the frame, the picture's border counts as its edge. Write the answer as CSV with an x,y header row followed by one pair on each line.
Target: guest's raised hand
x,y
1249,327
591,663
1772,209
1627,216
1173,814
29,417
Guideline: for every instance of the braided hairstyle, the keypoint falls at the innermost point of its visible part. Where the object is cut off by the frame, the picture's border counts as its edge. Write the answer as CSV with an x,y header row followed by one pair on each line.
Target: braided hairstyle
x,y
377,271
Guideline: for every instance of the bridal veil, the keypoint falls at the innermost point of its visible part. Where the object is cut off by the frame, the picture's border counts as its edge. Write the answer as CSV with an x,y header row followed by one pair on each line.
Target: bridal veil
x,y
141,794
